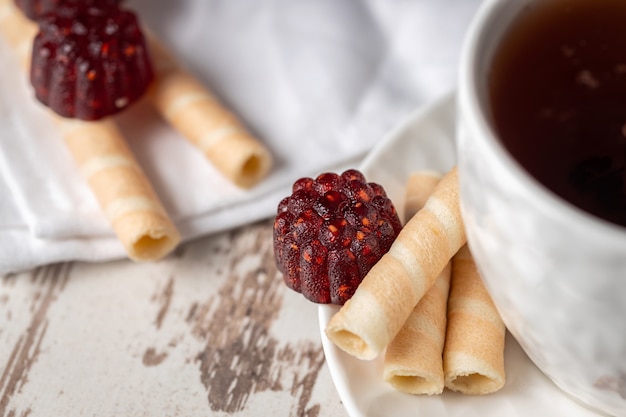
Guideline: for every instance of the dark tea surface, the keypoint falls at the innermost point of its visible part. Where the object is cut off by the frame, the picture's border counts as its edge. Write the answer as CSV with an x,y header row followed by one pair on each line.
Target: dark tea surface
x,y
558,97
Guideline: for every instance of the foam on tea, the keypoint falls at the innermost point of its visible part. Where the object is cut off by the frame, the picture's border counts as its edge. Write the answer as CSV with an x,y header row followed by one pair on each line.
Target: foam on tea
x,y
558,99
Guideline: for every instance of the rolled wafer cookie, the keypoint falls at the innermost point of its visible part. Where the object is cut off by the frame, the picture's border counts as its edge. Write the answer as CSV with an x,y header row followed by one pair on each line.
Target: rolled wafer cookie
x,y
473,356
198,115
366,323
123,191
413,360
114,176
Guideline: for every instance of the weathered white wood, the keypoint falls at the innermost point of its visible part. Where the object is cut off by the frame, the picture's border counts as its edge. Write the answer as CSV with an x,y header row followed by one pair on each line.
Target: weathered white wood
x,y
211,330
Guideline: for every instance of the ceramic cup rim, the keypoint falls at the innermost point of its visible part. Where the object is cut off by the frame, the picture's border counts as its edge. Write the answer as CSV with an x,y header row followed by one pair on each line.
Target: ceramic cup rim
x,y
474,111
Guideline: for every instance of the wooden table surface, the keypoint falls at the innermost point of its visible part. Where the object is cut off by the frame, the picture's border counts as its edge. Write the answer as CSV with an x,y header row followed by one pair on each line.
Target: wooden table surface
x,y
209,331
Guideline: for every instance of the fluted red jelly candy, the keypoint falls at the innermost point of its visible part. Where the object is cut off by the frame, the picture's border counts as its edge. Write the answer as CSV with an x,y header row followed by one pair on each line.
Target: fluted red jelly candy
x,y
90,61
330,232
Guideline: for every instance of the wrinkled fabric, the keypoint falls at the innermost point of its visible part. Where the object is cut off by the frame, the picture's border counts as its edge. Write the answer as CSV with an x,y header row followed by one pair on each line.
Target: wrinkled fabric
x,y
318,81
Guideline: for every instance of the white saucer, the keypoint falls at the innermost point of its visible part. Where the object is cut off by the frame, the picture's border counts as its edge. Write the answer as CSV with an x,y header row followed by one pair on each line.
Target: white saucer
x,y
426,141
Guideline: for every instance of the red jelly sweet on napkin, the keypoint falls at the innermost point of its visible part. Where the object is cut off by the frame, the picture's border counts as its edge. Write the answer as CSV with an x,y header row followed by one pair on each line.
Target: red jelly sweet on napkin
x,y
330,232
90,61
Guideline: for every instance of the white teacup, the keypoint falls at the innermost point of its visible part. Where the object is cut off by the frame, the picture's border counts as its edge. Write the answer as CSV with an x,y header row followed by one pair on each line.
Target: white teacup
x,y
556,273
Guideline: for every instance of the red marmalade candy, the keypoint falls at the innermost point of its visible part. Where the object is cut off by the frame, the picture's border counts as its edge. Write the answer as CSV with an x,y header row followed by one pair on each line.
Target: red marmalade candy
x,y
330,232
34,9
90,61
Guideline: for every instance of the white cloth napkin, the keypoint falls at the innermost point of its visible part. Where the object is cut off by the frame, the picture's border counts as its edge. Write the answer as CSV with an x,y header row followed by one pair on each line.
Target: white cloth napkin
x,y
318,81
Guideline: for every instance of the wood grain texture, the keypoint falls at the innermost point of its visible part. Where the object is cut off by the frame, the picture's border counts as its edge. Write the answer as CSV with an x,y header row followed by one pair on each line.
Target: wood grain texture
x,y
210,330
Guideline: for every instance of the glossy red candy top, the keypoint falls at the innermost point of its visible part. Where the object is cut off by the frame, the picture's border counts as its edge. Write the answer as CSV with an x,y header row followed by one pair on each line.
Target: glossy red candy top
x,y
34,9
90,61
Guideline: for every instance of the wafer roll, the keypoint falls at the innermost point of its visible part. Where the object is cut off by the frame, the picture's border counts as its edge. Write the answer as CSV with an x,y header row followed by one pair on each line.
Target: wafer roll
x,y
473,357
122,189
413,360
366,323
114,176
199,116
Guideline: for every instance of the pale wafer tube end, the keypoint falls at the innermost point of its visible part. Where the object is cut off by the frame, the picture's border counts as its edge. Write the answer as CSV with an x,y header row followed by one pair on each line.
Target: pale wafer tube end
x,y
146,236
413,360
474,351
123,191
472,376
352,331
412,383
385,298
238,156
194,111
